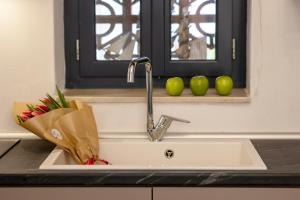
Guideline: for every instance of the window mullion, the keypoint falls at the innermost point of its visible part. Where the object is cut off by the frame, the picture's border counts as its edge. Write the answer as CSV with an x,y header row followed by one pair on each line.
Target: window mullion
x,y
157,37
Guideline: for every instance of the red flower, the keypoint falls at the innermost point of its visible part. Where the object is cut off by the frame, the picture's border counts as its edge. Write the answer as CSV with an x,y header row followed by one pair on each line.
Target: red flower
x,y
24,117
42,108
46,100
36,113
27,113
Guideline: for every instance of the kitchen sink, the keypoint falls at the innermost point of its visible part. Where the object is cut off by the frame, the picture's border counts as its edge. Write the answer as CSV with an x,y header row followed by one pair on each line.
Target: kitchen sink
x,y
170,154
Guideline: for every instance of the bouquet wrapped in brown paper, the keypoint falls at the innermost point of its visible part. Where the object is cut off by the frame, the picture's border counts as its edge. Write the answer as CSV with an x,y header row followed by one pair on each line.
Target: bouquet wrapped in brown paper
x,y
69,125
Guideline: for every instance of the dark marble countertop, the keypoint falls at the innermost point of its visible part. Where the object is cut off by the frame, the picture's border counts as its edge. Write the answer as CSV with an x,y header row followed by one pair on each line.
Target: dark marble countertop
x,y
19,167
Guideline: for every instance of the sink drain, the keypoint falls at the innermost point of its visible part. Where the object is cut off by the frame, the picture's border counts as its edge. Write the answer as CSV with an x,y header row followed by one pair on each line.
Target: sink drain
x,y
169,154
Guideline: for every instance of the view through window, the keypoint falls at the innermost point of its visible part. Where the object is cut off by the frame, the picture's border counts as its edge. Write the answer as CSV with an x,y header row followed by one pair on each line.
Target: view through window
x,y
117,29
193,29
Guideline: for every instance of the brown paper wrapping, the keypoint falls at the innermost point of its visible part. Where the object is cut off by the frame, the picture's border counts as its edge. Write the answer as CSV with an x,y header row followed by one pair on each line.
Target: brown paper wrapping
x,y
72,129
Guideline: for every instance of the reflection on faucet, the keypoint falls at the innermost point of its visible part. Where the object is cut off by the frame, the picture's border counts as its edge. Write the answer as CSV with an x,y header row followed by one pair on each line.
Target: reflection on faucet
x,y
157,132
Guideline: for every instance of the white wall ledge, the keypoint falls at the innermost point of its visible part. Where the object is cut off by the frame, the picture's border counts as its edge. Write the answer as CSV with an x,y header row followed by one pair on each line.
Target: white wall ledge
x,y
159,96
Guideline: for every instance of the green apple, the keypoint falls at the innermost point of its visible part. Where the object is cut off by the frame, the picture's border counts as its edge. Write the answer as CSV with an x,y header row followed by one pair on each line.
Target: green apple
x,y
199,85
224,85
175,86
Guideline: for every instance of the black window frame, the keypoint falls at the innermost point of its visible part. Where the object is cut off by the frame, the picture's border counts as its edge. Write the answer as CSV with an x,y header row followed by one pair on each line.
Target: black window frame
x,y
89,73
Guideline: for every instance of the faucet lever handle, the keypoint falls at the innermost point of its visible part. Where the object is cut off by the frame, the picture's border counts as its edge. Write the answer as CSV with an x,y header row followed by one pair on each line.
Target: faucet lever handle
x,y
164,123
174,119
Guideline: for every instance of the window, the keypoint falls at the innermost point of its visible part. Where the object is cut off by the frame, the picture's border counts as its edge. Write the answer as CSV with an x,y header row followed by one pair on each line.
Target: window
x,y
182,38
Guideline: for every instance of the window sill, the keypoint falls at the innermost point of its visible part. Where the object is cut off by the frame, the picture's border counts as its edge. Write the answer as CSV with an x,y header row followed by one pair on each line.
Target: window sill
x,y
159,96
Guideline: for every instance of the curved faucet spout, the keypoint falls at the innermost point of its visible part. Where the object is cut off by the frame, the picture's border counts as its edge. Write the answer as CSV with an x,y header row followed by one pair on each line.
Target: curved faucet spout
x,y
155,133
133,64
131,72
130,79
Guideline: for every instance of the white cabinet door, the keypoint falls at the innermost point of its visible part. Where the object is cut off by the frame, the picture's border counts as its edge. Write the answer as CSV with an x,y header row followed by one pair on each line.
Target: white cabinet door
x,y
226,194
75,193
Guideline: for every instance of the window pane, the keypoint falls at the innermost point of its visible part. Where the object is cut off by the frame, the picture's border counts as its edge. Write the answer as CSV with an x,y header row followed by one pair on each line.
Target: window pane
x,y
117,29
193,29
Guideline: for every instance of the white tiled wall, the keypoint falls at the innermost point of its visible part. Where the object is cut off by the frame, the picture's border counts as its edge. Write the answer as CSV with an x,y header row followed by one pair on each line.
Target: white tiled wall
x,y
31,57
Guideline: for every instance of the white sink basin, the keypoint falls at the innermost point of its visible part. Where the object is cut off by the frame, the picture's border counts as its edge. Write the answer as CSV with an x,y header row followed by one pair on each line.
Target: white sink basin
x,y
171,154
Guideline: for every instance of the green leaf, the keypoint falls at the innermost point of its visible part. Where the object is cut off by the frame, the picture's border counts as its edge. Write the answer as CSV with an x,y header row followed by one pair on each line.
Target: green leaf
x,y
62,99
19,119
30,107
54,103
51,106
47,104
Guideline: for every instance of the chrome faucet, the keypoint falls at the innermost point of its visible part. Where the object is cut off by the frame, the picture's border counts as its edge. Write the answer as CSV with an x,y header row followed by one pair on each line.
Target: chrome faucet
x,y
155,132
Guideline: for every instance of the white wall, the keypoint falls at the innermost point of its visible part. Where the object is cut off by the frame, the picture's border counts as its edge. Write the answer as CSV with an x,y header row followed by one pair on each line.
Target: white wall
x,y
28,70
26,54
